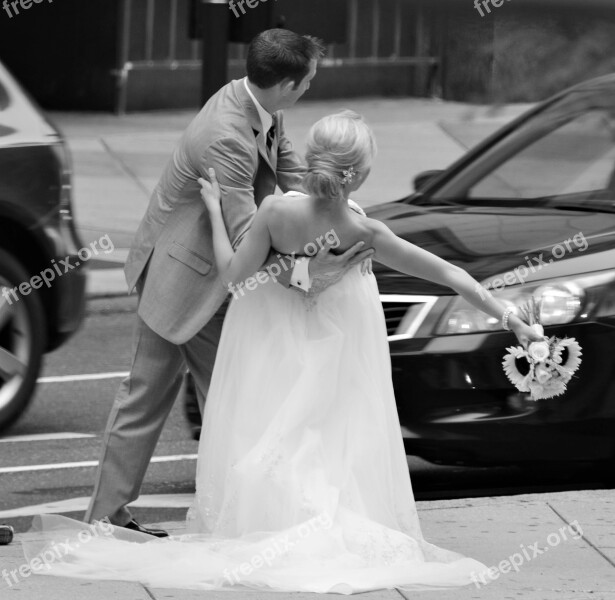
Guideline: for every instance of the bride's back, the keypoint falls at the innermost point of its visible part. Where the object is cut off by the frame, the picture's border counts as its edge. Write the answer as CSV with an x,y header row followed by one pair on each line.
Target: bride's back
x,y
304,225
340,150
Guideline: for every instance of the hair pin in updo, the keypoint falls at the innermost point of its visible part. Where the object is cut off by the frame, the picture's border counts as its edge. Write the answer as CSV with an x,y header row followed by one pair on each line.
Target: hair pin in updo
x,y
348,175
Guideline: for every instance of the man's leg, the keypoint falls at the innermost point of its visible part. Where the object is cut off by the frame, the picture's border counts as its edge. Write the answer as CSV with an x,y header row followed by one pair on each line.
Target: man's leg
x,y
139,412
200,353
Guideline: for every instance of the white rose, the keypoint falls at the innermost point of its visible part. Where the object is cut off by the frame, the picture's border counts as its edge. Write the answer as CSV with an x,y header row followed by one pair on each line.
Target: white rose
x,y
539,351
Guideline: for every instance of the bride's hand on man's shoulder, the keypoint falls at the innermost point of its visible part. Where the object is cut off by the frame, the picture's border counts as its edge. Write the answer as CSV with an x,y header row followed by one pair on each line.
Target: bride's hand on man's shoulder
x,y
210,191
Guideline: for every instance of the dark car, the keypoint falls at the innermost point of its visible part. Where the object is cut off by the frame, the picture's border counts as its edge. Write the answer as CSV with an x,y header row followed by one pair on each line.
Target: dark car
x,y
528,212
36,235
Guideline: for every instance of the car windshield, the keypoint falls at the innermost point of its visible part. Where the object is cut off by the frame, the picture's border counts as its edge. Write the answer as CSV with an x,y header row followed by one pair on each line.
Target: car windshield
x,y
564,155
577,158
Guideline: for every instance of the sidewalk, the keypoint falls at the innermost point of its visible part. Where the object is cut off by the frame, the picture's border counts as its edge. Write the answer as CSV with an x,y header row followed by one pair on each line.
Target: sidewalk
x,y
118,160
491,530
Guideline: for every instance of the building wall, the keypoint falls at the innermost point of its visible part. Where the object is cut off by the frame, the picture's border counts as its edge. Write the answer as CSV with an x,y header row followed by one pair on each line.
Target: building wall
x,y
64,53
131,55
539,52
386,49
527,50
467,51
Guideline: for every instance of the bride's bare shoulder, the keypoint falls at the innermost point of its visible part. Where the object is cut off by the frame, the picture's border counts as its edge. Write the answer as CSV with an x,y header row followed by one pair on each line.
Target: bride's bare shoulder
x,y
279,202
377,228
284,217
270,201
278,206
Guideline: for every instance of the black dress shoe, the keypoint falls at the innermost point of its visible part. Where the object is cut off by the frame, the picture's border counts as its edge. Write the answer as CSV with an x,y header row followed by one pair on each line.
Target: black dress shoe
x,y
6,534
134,526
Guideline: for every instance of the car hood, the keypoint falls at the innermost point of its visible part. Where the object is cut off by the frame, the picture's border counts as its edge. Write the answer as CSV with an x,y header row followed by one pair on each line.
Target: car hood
x,y
488,241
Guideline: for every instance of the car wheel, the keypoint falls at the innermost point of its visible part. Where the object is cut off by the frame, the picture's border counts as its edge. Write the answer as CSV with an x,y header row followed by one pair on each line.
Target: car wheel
x,y
22,341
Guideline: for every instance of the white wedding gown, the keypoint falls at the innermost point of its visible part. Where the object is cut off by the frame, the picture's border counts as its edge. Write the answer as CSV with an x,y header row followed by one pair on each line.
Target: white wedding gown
x,y
302,480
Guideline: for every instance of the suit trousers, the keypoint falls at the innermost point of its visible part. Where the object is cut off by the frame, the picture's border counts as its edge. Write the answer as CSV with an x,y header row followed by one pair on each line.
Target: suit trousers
x,y
140,409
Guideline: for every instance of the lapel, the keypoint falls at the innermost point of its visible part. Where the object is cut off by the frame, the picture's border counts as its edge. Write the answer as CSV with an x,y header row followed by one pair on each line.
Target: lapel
x,y
257,127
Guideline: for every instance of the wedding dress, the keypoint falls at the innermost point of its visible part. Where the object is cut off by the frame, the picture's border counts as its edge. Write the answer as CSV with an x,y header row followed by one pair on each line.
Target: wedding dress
x,y
302,482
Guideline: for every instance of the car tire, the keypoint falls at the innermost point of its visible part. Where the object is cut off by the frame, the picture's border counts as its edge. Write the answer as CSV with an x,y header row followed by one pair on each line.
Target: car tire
x,y
22,341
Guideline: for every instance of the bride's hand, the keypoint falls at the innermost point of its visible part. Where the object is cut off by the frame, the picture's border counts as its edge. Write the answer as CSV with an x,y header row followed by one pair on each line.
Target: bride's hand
x,y
210,191
525,334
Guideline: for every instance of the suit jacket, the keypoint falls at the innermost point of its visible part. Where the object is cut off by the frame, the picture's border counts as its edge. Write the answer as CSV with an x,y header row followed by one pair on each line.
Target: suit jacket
x,y
171,261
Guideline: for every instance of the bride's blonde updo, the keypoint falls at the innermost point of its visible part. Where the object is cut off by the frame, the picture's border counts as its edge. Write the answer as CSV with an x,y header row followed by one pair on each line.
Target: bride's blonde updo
x,y
340,149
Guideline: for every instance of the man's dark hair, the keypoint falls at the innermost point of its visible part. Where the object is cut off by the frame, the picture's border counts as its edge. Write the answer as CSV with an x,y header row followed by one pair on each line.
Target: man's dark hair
x,y
278,54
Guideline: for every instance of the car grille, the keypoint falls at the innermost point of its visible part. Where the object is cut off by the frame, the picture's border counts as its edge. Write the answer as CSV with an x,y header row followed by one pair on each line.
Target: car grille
x,y
404,314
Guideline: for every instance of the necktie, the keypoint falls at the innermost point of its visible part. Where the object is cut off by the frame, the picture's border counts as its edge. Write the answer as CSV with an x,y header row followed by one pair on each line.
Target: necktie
x,y
270,137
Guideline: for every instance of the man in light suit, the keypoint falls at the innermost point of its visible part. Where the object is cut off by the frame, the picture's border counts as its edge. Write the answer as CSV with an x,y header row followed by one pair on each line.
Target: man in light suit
x,y
182,302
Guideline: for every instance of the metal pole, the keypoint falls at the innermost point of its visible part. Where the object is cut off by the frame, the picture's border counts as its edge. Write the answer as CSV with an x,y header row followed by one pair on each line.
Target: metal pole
x,y
121,73
215,24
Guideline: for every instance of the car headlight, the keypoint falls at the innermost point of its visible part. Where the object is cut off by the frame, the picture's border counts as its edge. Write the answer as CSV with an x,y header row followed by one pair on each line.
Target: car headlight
x,y
563,300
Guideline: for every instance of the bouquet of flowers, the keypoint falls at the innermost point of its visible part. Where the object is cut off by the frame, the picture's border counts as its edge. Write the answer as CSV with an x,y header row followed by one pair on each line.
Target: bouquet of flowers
x,y
550,363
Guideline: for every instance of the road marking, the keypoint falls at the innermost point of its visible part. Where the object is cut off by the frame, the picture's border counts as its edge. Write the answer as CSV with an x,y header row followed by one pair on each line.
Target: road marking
x,y
81,504
89,377
41,437
88,463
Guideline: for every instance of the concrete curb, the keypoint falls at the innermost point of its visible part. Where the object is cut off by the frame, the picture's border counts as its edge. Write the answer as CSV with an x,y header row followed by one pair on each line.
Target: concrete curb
x,y
106,283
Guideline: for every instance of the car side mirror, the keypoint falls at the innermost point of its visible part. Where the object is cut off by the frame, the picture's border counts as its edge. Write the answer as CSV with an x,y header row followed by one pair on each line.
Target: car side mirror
x,y
423,178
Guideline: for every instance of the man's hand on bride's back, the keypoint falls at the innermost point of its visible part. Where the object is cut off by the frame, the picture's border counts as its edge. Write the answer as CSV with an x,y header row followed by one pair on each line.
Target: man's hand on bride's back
x,y
333,267
210,191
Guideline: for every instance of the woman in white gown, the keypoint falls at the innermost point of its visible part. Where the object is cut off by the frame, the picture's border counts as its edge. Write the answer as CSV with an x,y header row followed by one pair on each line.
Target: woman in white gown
x,y
302,480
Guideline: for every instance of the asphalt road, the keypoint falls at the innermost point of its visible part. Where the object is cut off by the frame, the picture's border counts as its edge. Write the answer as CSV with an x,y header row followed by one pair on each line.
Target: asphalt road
x,y
50,455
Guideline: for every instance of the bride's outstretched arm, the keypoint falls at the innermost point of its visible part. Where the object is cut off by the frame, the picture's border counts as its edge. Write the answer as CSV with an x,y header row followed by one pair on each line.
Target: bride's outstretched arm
x,y
407,258
253,250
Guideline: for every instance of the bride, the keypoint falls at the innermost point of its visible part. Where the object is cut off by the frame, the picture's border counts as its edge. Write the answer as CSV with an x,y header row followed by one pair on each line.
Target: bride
x,y
302,480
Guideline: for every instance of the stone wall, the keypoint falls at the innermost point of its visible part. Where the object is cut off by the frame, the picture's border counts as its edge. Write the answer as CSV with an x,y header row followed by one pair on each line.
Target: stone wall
x,y
524,53
537,53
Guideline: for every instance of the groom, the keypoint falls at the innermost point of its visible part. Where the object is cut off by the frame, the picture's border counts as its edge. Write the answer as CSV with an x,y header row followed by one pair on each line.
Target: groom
x,y
240,133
